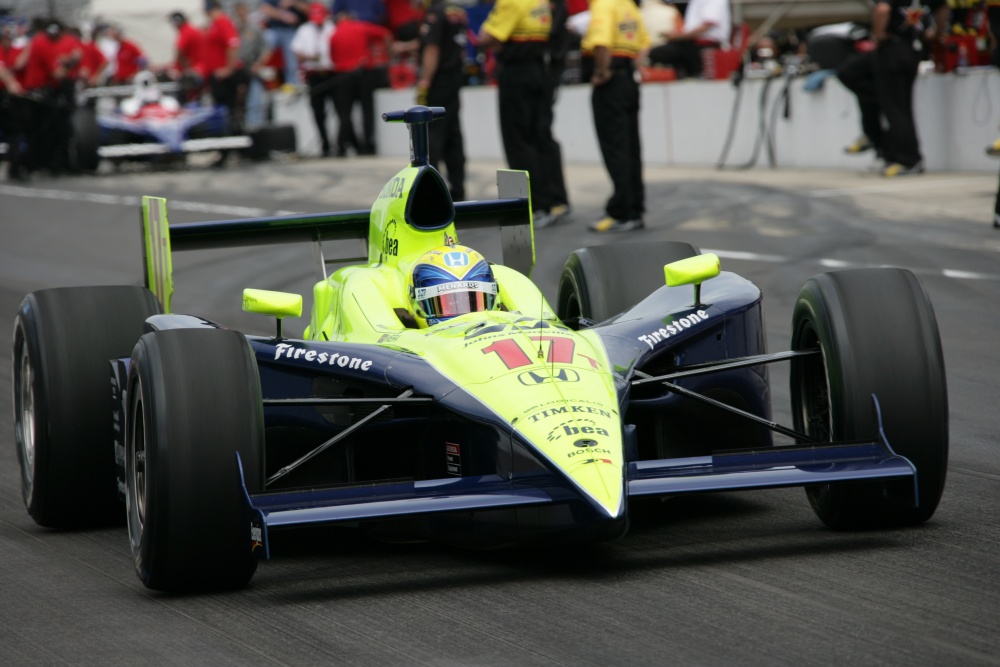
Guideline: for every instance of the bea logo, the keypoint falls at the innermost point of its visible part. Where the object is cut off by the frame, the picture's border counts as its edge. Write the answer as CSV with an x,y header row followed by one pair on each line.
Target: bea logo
x,y
456,259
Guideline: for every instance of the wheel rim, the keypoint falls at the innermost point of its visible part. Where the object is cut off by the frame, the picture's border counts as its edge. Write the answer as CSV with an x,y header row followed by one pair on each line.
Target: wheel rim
x,y
570,307
814,390
137,468
25,396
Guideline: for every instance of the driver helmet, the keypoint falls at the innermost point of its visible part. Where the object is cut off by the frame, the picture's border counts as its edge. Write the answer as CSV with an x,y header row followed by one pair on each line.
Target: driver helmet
x,y
448,281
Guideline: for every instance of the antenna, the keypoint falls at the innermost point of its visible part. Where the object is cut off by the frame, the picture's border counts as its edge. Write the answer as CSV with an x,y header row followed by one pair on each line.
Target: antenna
x,y
417,119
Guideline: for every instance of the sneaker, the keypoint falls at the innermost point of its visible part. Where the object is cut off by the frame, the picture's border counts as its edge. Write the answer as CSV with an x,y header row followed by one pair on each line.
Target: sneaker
x,y
860,145
993,150
560,211
896,169
543,219
608,224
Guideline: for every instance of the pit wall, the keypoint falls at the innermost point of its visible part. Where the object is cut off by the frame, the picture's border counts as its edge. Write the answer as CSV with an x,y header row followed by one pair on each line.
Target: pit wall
x,y
685,123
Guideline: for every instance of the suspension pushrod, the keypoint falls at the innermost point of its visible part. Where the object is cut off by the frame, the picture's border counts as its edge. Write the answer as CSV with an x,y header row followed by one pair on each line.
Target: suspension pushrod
x,y
345,401
772,425
332,441
712,367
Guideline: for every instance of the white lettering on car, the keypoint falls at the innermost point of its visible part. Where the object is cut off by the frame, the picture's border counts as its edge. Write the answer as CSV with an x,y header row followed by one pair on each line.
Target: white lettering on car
x,y
665,332
284,350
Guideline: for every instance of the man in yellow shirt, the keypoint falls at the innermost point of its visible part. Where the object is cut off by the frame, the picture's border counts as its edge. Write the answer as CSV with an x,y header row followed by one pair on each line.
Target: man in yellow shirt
x,y
615,39
518,31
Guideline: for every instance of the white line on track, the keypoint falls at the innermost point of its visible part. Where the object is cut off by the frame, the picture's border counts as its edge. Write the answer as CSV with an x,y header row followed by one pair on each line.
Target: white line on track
x,y
253,212
894,186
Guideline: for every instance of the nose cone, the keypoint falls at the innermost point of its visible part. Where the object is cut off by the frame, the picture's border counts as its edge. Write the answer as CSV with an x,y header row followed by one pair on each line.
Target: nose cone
x,y
578,429
554,387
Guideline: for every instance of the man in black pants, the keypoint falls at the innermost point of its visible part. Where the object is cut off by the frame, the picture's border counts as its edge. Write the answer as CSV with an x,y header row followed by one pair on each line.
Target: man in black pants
x,y
558,46
442,48
900,28
615,38
993,13
857,73
519,31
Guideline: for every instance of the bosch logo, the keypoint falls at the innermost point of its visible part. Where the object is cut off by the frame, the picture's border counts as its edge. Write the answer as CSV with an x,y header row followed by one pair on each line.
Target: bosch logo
x,y
531,378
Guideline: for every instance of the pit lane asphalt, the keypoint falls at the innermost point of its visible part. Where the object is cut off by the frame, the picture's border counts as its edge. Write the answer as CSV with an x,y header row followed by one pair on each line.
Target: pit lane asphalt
x,y
750,577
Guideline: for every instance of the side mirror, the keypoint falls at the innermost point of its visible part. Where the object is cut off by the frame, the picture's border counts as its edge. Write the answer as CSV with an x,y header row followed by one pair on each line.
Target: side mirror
x,y
276,304
692,271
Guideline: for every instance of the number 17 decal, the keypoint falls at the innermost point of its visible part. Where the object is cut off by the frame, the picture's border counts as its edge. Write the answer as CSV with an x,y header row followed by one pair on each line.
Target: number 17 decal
x,y
511,354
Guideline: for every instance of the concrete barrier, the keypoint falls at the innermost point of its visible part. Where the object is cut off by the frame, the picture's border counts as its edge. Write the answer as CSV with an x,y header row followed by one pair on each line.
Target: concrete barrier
x,y
685,123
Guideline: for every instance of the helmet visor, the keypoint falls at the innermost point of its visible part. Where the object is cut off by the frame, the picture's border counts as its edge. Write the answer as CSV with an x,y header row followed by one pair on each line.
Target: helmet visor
x,y
451,299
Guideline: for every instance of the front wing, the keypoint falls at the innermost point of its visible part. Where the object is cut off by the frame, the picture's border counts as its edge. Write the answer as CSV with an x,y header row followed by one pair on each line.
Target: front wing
x,y
798,465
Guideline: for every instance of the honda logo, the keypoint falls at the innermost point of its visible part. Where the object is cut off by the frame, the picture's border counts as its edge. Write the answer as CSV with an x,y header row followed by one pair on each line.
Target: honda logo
x,y
530,378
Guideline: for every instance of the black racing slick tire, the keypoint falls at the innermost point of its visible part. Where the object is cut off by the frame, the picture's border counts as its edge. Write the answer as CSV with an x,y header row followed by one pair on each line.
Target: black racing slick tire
x,y
878,335
86,140
194,402
64,428
601,281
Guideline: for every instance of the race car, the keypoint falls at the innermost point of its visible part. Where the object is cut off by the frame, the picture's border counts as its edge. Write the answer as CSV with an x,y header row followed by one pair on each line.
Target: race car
x,y
148,124
437,395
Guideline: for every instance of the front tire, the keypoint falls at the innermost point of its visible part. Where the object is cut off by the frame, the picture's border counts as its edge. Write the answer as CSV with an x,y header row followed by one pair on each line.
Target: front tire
x,y
601,281
194,402
878,335
63,412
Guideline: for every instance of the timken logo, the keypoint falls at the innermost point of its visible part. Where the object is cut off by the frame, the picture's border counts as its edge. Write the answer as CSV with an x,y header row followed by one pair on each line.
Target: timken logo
x,y
567,410
326,358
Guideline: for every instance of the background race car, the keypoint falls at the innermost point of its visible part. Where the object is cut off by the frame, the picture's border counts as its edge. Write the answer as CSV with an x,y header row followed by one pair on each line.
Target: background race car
x,y
149,123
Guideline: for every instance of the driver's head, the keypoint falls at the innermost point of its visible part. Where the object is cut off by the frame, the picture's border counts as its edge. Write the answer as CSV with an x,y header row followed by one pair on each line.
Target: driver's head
x,y
448,281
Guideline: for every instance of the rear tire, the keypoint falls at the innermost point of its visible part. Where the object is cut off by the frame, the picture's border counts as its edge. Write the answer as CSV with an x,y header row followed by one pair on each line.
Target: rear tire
x,y
602,281
194,401
63,411
878,335
86,141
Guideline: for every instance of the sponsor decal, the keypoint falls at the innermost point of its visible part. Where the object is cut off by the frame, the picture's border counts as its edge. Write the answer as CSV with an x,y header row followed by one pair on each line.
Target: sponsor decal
x,y
560,410
531,378
607,461
574,428
583,430
393,189
323,358
456,259
453,458
421,293
670,330
256,537
388,338
390,244
524,324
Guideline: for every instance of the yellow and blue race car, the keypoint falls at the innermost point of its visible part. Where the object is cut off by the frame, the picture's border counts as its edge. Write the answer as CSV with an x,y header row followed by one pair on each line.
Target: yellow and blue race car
x,y
440,395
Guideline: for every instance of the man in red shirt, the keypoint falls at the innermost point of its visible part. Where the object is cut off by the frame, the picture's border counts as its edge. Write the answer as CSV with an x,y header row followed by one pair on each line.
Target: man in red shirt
x,y
11,125
219,58
93,64
40,73
404,17
351,51
188,65
129,59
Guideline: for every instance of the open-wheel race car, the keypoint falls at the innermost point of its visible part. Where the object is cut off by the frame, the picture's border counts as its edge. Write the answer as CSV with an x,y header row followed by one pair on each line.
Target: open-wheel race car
x,y
439,395
142,121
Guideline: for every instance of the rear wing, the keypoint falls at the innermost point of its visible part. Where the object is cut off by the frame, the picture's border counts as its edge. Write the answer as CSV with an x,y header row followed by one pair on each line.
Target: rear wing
x,y
511,213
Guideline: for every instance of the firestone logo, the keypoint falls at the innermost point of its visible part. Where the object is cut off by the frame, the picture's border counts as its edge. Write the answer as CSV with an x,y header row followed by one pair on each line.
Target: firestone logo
x,y
673,328
329,359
